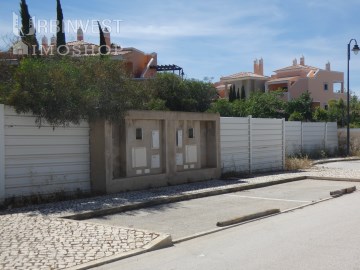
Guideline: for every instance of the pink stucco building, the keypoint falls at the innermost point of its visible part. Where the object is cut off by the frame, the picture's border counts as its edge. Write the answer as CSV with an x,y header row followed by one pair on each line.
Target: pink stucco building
x,y
250,81
323,84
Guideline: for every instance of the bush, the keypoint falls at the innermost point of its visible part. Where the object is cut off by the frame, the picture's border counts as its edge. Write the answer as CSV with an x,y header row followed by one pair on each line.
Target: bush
x,y
181,95
66,90
7,79
296,116
320,115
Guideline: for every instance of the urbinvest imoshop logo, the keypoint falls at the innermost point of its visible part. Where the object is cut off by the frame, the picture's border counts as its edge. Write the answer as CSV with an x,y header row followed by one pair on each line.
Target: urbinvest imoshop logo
x,y
46,27
17,28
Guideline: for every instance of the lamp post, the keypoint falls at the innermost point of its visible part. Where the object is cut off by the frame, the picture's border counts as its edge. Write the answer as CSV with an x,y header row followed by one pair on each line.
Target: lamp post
x,y
356,50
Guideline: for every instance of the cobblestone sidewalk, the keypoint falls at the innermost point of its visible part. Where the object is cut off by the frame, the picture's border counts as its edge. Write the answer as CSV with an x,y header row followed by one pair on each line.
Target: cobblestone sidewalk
x,y
37,238
53,243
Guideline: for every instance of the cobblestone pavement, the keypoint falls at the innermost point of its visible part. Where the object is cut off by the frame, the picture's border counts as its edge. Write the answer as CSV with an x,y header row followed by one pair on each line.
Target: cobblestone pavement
x,y
53,243
37,238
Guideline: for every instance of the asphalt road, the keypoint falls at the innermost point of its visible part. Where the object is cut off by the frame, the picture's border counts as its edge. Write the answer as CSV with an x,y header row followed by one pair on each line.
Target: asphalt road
x,y
187,218
324,236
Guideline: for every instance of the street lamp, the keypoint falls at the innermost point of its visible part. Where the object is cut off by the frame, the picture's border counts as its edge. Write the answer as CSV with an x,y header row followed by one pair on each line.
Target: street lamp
x,y
356,50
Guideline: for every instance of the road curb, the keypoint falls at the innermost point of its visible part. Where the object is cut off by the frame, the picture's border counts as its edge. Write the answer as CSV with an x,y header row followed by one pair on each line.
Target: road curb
x,y
318,162
162,241
177,198
333,179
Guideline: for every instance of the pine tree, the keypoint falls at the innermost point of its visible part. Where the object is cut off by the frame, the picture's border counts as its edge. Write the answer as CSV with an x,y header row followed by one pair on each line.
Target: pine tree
x,y
103,48
60,33
238,94
231,93
243,94
28,32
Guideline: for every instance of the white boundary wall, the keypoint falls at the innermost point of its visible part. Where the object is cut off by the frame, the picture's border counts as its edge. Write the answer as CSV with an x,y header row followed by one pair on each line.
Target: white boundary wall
x,y
42,160
310,138
252,144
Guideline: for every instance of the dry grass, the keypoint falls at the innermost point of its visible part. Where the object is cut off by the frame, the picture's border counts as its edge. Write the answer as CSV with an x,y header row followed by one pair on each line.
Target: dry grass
x,y
354,145
297,163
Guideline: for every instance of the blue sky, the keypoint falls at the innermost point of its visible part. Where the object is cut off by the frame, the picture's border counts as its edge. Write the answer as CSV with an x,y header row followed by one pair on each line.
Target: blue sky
x,y
214,38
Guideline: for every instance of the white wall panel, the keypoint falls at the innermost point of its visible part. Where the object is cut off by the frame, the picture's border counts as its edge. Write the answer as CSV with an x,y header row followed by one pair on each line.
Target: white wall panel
x,y
46,159
310,138
249,145
2,153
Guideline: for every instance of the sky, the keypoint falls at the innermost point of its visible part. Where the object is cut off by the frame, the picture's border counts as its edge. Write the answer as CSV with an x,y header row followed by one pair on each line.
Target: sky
x,y
212,38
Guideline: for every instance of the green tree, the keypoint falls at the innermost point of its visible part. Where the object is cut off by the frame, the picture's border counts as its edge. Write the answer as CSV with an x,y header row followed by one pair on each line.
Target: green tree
x,y
7,72
103,48
28,32
182,95
337,111
238,94
239,108
231,94
60,31
355,111
296,116
265,105
66,90
302,105
243,94
320,115
223,107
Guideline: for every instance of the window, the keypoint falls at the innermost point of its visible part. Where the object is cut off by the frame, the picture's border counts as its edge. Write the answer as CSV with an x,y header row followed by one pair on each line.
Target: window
x,y
326,86
338,87
139,134
191,133
326,107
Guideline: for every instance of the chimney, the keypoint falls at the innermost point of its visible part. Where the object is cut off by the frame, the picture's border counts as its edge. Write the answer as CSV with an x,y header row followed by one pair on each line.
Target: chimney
x,y
80,34
302,60
44,42
328,66
107,37
256,66
295,62
53,41
261,67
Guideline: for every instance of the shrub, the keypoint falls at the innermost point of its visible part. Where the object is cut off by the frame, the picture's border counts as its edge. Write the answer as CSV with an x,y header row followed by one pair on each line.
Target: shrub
x,y
66,90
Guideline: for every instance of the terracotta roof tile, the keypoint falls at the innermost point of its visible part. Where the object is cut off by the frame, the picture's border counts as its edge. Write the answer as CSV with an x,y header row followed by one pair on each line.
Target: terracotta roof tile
x,y
296,67
242,75
285,79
